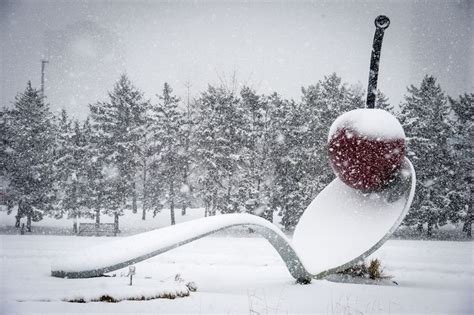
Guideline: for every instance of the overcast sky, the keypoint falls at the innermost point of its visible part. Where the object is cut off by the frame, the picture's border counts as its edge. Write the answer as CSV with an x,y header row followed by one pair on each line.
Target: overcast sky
x,y
273,46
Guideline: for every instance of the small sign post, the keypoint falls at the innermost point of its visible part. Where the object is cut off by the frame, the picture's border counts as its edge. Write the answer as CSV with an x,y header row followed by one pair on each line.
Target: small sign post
x,y
131,272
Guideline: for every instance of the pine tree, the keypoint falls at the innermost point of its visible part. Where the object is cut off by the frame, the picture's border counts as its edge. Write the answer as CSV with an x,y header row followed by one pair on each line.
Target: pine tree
x,y
62,150
254,173
382,102
303,162
93,167
288,159
462,186
168,166
30,130
190,121
218,137
153,184
147,144
6,159
300,155
120,124
322,104
77,188
424,115
65,169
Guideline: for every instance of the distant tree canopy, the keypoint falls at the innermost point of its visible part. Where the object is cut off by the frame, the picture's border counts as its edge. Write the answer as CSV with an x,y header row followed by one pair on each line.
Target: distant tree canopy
x,y
226,150
439,144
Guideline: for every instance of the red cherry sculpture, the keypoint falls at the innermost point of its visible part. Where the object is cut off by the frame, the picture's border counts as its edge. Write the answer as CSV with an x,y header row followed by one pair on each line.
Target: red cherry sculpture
x,y
366,148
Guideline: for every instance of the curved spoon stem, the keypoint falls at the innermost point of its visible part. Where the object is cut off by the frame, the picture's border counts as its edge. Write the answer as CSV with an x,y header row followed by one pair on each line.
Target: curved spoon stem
x,y
133,249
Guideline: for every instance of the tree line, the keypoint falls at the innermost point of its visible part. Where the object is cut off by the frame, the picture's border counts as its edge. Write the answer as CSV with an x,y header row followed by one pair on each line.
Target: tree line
x,y
227,150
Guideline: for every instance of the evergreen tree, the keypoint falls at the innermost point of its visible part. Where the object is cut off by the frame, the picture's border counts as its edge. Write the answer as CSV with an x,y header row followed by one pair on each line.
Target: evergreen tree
x,y
322,104
424,115
303,163
65,170
6,160
218,136
300,154
29,138
62,150
147,160
190,121
78,186
167,167
253,192
288,159
120,123
462,186
382,102
93,168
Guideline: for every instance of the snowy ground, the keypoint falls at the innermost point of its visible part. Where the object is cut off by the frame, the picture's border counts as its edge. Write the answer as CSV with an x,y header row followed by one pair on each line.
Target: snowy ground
x,y
238,275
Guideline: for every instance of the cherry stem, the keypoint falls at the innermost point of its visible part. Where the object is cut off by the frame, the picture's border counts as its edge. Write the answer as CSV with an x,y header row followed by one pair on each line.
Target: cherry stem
x,y
381,23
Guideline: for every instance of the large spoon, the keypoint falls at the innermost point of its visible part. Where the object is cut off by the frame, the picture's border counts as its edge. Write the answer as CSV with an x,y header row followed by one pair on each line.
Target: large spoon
x,y
340,227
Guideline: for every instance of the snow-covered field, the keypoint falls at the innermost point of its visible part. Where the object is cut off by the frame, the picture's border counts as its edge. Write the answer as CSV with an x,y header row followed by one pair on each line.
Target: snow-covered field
x,y
237,275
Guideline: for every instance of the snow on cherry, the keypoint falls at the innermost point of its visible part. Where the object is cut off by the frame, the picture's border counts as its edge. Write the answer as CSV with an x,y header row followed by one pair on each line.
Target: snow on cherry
x,y
366,148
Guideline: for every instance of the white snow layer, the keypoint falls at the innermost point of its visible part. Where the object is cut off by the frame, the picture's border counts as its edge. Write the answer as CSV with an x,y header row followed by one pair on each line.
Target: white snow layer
x,y
237,275
369,122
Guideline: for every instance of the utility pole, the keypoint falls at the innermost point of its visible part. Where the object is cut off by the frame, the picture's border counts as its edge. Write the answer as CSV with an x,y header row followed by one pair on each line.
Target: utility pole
x,y
187,85
43,65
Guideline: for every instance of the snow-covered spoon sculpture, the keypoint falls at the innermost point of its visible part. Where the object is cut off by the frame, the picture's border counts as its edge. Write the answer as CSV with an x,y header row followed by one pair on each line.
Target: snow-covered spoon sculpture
x,y
352,217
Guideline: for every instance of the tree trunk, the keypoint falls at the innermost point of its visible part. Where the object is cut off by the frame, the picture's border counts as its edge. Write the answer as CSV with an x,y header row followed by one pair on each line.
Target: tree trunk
x,y
97,218
186,194
468,229
134,198
116,223
144,212
18,216
28,223
173,222
212,207
467,226
429,231
228,202
17,220
144,201
74,226
420,227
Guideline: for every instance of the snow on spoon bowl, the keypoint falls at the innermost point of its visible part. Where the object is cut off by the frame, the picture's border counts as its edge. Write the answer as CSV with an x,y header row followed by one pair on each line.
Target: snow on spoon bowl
x,y
343,225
